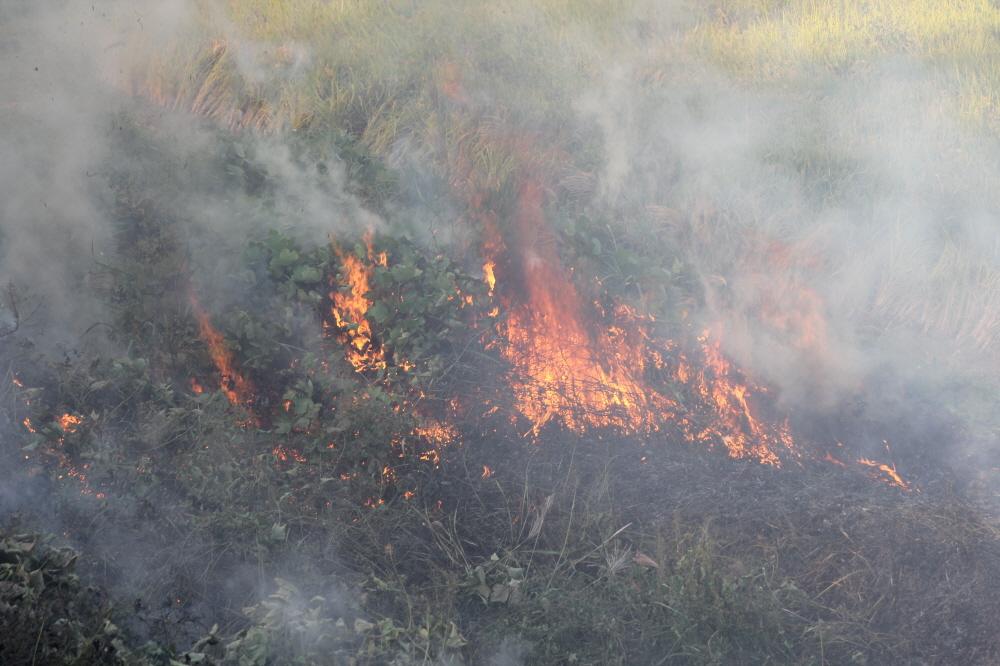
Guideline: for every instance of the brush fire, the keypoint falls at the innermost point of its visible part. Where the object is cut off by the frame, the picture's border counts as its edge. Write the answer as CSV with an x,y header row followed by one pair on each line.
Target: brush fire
x,y
587,366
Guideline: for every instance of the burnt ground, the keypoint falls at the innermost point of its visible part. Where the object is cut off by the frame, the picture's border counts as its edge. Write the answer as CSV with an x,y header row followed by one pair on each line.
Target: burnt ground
x,y
921,566
880,573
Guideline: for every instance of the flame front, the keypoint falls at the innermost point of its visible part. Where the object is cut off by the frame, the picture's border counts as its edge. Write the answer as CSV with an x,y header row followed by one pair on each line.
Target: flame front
x,y
586,366
743,433
581,375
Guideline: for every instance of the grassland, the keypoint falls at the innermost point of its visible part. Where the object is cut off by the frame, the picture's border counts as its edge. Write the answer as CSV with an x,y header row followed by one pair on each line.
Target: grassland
x,y
827,160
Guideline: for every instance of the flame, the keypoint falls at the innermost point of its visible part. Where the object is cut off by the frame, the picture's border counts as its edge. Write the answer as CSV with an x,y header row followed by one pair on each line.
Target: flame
x,y
68,422
349,308
491,278
830,458
891,477
582,375
736,424
236,387
588,366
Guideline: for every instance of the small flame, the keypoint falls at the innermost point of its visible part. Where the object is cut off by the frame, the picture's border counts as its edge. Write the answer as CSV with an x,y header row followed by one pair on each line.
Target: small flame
x,y
350,306
830,458
237,388
491,278
889,471
68,422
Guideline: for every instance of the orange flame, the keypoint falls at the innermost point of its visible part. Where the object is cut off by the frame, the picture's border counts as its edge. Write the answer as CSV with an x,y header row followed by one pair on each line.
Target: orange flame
x,y
236,387
584,376
891,477
491,278
68,422
569,367
349,308
735,422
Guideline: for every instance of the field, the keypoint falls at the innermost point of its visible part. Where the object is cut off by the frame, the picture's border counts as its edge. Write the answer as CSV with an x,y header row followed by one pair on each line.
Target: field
x,y
522,332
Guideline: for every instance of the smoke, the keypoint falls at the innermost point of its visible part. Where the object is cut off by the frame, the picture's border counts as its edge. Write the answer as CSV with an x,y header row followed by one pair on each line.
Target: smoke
x,y
834,229
72,134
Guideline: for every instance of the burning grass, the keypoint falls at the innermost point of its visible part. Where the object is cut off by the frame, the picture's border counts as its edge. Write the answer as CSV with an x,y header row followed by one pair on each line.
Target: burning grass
x,y
551,461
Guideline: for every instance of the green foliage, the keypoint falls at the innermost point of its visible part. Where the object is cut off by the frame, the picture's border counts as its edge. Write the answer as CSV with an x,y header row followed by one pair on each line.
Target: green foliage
x,y
47,616
288,629
626,265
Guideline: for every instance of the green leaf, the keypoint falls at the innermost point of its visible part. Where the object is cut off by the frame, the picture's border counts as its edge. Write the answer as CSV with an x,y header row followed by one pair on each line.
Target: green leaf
x,y
285,258
405,272
379,312
277,532
306,274
383,278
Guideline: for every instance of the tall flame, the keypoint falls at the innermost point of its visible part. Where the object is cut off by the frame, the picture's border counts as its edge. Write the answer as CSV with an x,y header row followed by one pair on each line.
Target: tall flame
x,y
350,305
582,375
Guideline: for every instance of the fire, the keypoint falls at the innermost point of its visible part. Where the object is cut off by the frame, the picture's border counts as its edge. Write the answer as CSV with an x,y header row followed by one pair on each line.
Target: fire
x,y
566,370
437,433
586,366
891,477
236,387
350,306
736,425
491,278
68,422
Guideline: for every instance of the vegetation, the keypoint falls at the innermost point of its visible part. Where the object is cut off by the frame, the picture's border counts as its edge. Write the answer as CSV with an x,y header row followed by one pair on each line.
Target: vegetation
x,y
279,447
